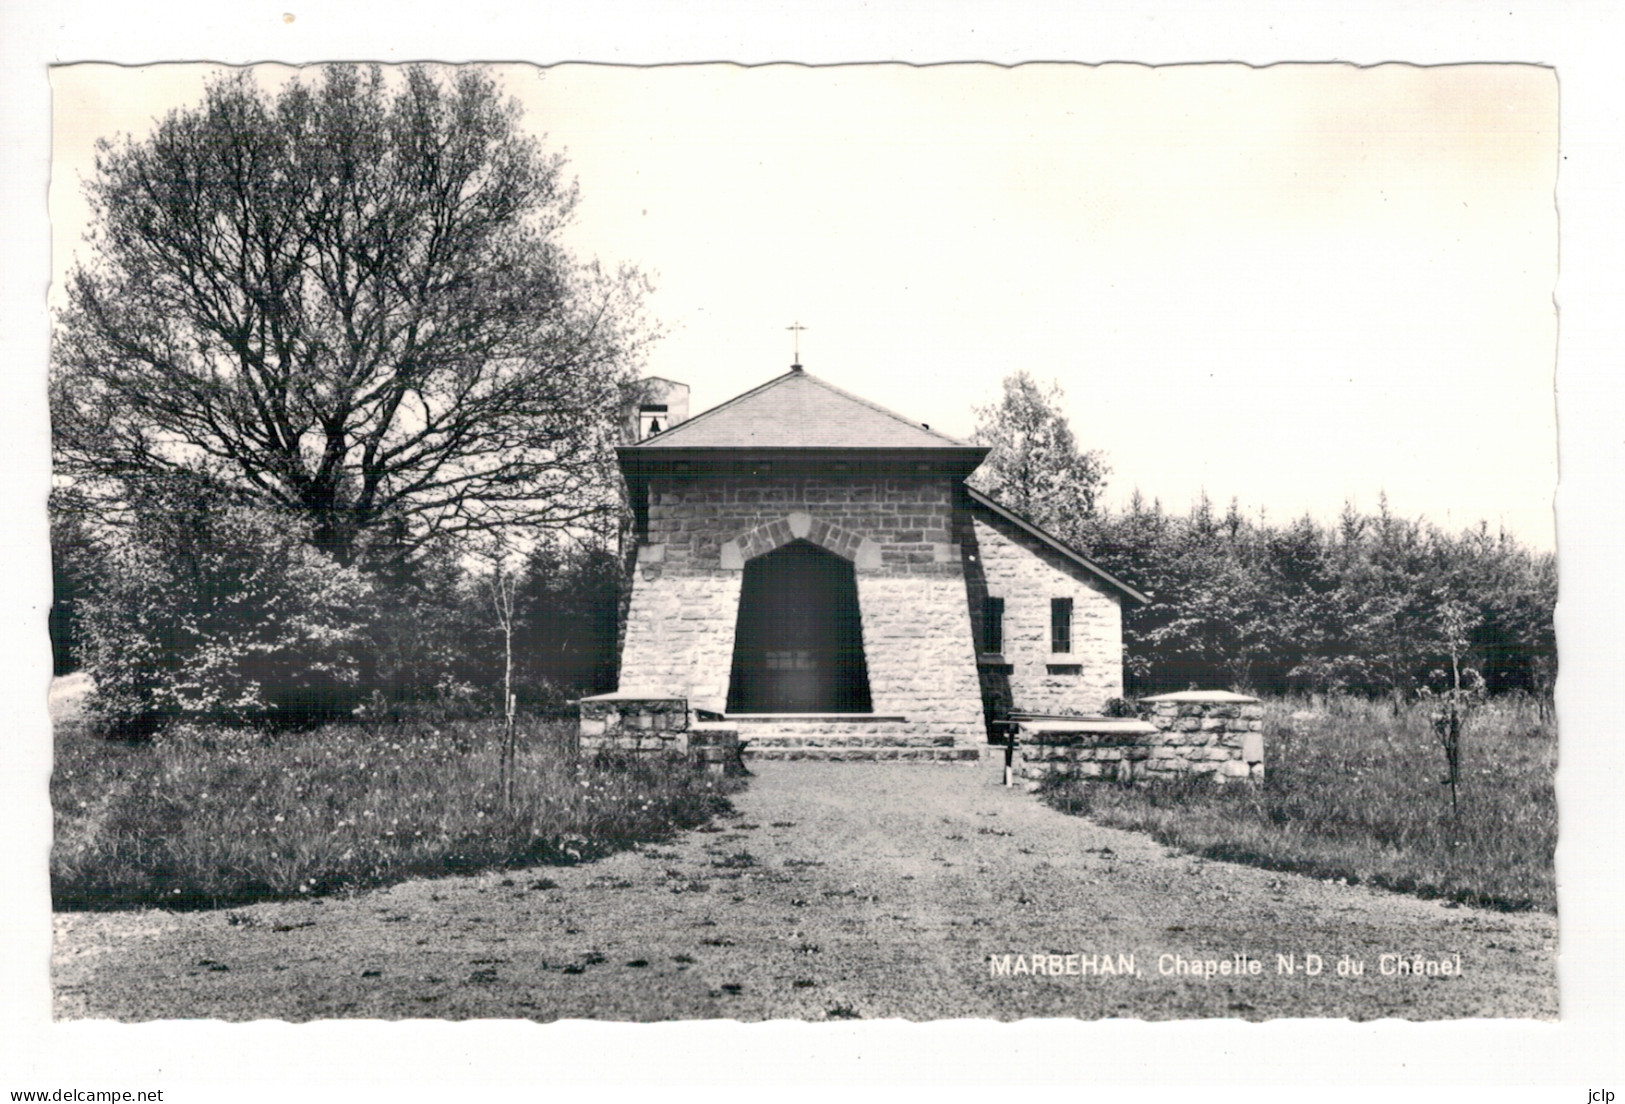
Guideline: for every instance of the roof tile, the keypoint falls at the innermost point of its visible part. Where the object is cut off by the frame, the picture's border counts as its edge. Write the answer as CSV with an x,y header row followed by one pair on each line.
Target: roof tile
x,y
798,410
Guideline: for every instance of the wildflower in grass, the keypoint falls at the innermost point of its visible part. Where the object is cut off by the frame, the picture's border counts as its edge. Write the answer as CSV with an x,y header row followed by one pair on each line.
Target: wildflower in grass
x,y
1377,825
420,818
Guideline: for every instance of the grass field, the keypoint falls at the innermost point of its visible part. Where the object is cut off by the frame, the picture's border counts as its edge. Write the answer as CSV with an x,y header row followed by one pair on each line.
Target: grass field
x,y
1353,791
205,816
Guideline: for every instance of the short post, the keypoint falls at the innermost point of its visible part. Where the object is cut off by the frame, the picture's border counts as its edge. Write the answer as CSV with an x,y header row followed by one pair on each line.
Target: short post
x,y
1009,755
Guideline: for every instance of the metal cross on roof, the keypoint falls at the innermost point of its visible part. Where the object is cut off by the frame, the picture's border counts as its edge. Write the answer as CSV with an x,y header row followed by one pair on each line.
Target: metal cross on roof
x,y
796,330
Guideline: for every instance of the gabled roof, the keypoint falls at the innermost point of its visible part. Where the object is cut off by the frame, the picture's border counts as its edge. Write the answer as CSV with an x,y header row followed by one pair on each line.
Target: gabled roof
x,y
978,499
798,411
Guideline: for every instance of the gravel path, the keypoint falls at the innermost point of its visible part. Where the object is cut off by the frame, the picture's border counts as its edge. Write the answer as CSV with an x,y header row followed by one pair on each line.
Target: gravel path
x,y
837,890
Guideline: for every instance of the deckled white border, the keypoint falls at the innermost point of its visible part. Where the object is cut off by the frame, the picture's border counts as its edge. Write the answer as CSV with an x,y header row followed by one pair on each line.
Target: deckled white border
x,y
362,1061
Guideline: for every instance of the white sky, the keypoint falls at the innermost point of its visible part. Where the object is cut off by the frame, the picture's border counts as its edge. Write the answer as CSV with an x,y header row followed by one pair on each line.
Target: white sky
x,y
1293,285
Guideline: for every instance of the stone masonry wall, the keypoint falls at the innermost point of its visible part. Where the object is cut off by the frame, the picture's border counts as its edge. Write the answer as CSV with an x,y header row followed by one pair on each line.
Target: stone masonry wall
x,y
1227,728
680,633
907,519
1210,733
1027,574
638,725
631,723
897,531
922,663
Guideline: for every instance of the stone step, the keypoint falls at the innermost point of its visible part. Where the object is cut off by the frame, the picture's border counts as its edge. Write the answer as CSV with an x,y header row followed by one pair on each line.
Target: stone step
x,y
776,719
841,739
867,754
824,727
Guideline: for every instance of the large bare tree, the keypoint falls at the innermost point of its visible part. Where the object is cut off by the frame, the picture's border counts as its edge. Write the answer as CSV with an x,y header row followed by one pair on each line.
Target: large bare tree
x,y
346,298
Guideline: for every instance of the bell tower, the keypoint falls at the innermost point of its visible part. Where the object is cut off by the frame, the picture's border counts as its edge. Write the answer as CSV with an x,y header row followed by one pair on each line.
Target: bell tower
x,y
656,406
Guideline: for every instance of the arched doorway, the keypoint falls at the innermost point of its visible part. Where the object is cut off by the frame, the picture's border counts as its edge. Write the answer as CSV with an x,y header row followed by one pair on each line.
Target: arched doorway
x,y
798,647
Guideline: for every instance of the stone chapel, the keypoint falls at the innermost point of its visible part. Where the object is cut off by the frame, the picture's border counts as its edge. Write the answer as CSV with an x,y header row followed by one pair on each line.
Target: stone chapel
x,y
815,568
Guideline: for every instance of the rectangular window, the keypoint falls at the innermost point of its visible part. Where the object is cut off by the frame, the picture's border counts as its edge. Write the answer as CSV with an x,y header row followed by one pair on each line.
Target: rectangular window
x,y
1060,625
993,625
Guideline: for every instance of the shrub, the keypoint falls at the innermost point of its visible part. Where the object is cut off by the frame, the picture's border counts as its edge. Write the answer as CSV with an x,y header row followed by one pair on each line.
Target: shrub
x,y
217,609
1120,707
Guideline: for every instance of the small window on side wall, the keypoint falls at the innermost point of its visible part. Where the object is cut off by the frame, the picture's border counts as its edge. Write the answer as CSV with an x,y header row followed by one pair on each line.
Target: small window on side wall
x,y
1060,625
993,625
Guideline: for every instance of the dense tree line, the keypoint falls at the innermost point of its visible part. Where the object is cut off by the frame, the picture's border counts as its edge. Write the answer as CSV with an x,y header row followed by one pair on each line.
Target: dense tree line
x,y
217,608
1371,604
211,608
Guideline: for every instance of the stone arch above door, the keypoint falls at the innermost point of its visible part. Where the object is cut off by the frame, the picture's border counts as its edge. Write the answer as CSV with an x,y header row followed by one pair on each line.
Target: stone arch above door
x,y
764,538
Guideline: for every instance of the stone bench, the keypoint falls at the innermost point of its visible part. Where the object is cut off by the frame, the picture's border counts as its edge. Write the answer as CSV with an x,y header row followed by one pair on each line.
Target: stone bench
x,y
1207,732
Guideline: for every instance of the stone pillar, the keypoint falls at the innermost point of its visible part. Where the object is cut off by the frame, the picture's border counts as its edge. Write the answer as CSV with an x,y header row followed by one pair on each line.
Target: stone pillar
x,y
1213,731
634,724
